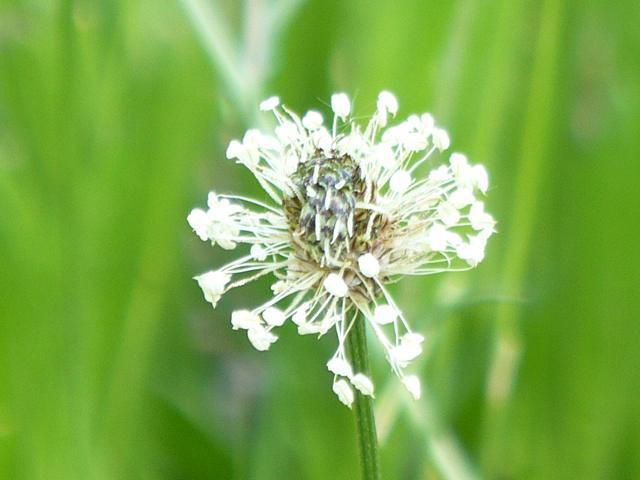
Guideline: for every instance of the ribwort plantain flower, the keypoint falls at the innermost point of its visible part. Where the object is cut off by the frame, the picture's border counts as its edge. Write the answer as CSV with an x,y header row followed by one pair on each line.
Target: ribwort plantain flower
x,y
348,214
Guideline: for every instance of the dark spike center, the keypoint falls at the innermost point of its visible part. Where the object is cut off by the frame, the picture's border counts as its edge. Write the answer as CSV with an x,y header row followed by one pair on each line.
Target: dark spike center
x,y
323,219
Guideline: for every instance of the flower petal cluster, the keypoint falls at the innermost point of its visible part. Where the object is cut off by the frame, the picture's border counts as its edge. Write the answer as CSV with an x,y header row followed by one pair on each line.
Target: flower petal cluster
x,y
349,210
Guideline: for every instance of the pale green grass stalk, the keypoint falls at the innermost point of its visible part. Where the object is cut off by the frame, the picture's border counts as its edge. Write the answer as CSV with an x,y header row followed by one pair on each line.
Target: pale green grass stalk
x,y
245,66
208,21
438,441
532,164
534,147
448,454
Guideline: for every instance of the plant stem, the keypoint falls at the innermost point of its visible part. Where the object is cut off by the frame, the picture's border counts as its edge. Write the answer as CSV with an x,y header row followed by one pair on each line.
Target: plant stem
x,y
363,409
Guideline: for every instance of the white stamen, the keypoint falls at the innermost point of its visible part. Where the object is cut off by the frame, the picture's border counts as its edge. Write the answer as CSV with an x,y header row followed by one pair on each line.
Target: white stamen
x,y
363,383
480,220
342,389
269,104
213,285
462,197
412,384
199,221
234,150
334,284
273,316
369,265
480,178
410,348
339,366
437,237
244,320
441,139
448,214
387,102
258,253
312,120
385,314
400,181
261,338
300,317
340,105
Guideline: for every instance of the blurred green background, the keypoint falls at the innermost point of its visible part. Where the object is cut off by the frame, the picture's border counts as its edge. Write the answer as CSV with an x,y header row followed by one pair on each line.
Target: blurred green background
x,y
114,119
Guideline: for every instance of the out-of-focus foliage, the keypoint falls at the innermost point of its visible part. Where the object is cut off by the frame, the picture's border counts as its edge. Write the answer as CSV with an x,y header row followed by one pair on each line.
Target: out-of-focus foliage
x,y
114,118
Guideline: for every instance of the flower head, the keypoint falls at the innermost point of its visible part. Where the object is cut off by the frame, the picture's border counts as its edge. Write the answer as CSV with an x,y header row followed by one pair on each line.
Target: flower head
x,y
348,213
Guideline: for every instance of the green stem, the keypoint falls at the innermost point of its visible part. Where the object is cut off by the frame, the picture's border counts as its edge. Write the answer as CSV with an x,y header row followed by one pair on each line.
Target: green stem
x,y
363,408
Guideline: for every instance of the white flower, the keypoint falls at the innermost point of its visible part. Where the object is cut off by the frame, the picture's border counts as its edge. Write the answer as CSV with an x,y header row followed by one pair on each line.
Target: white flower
x,y
349,210
213,285
342,389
